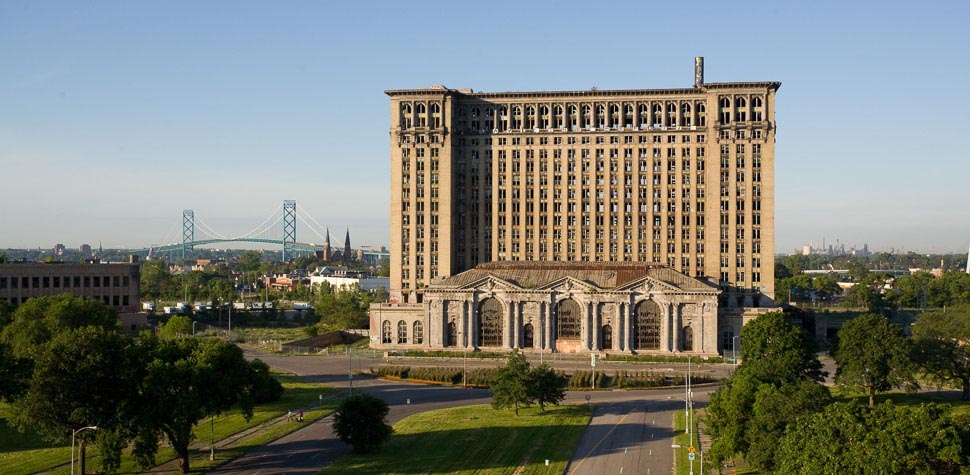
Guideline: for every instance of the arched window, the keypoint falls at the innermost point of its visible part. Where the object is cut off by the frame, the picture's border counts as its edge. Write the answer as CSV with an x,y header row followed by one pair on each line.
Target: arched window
x,y
742,102
476,111
614,109
528,336
503,110
558,110
600,110
701,108
572,110
406,108
568,320
671,108
607,337
685,109
417,336
756,102
421,109
646,326
452,335
657,109
725,102
386,332
516,111
688,339
643,109
402,332
490,323
530,110
587,111
628,109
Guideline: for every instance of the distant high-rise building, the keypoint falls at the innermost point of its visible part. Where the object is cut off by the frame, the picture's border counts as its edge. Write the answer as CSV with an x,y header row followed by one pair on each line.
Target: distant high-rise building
x,y
681,177
84,249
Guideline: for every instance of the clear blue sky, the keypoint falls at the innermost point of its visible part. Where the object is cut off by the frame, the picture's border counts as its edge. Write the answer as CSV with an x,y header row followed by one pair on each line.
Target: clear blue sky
x,y
114,116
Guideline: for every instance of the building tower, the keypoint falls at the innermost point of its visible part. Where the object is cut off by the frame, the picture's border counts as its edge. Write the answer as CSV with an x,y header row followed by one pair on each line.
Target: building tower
x,y
327,250
680,177
347,255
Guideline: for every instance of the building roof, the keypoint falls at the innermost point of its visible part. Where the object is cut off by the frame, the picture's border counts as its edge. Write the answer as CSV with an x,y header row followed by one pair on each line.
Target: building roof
x,y
773,85
604,275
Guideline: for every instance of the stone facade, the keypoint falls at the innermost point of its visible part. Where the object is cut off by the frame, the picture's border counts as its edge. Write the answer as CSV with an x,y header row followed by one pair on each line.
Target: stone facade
x,y
678,177
611,307
115,284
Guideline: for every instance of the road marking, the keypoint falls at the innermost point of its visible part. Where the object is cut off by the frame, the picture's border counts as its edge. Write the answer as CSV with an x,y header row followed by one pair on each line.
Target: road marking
x,y
621,469
624,450
600,442
654,422
315,456
651,435
651,451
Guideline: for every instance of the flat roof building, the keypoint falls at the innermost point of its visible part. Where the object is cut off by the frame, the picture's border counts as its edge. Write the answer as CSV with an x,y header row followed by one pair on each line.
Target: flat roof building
x,y
115,284
681,177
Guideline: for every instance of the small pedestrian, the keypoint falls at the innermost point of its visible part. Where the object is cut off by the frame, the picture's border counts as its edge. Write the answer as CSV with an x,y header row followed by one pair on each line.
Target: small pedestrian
x,y
289,415
301,416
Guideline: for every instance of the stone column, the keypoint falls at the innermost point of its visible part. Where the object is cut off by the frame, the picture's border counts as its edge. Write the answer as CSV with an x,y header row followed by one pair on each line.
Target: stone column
x,y
665,329
507,326
675,324
542,336
699,339
619,332
594,321
463,336
628,343
516,326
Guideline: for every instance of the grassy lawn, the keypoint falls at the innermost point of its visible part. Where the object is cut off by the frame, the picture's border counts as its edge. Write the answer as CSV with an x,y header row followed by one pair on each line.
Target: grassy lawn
x,y
27,453
475,440
681,462
901,398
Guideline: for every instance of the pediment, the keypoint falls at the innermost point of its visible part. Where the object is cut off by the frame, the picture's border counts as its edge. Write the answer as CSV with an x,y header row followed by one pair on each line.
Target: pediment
x,y
489,283
649,284
568,284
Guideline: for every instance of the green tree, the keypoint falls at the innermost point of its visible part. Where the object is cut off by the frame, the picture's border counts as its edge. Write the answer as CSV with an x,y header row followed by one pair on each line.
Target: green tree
x,y
942,341
359,421
14,371
545,386
873,354
265,388
186,380
774,409
177,326
775,353
155,280
38,320
510,387
851,438
82,377
249,261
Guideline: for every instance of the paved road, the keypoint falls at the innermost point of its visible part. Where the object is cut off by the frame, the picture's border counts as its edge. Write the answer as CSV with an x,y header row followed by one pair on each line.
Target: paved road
x,y
309,449
631,433
630,430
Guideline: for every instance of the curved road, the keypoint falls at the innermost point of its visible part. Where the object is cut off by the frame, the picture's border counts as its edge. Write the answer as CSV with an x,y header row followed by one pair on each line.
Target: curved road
x,y
630,432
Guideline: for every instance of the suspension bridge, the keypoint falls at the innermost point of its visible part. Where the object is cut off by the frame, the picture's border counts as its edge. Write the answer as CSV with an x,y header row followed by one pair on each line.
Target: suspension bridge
x,y
284,218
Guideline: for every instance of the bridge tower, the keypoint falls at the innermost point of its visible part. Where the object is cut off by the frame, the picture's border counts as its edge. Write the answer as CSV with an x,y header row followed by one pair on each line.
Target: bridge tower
x,y
289,224
188,230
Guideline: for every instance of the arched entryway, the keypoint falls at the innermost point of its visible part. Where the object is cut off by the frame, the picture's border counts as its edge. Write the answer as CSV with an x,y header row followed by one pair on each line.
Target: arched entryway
x,y
607,337
646,326
528,336
490,323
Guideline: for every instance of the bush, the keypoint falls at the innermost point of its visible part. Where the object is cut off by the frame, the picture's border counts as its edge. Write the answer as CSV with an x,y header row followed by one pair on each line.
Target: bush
x,y
359,421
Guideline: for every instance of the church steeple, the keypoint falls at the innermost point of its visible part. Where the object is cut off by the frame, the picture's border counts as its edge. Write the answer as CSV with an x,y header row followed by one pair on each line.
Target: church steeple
x,y
347,256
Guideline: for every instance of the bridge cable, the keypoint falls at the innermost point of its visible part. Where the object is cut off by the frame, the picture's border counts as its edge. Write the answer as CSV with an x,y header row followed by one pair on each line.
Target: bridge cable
x,y
311,228
205,228
310,215
259,228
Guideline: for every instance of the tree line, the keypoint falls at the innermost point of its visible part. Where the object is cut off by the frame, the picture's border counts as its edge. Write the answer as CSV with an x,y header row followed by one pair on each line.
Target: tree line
x,y
776,414
65,364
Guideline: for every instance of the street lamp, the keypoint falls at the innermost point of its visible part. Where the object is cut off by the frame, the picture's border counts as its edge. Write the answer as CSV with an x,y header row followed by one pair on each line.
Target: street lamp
x,y
193,327
73,435
734,349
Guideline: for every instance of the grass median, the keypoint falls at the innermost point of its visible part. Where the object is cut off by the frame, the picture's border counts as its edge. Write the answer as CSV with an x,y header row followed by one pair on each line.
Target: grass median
x,y
475,440
27,453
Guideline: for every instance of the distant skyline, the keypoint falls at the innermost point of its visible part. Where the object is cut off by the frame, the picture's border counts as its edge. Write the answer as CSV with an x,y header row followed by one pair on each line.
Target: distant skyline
x,y
114,116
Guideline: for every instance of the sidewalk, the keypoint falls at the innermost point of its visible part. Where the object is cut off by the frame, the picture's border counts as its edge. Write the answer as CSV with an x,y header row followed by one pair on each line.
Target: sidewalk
x,y
172,466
